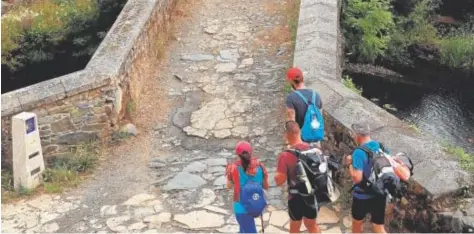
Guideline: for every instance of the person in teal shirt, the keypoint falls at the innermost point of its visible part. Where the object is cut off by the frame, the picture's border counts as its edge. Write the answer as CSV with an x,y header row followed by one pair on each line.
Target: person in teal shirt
x,y
359,166
239,173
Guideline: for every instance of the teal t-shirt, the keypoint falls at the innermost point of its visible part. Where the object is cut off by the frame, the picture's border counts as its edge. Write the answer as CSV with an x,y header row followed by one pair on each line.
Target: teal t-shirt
x,y
243,178
360,162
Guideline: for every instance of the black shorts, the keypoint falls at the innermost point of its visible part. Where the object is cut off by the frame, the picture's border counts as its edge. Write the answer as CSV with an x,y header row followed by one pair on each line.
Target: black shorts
x,y
299,208
374,206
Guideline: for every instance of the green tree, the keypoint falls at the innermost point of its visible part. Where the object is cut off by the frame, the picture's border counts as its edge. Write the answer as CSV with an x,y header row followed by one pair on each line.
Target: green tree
x,y
367,26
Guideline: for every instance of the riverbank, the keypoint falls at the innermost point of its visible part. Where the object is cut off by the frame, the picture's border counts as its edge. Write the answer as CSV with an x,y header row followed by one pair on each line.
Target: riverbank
x,y
410,37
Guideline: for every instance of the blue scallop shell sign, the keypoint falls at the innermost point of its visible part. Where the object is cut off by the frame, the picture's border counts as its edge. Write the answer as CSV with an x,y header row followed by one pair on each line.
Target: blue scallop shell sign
x,y
30,125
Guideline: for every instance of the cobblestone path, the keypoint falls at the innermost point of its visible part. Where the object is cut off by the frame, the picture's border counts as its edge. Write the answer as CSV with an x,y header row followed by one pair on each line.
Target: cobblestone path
x,y
225,79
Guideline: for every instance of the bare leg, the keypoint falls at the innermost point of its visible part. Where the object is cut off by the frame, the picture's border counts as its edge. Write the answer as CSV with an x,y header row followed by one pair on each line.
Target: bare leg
x,y
357,225
295,226
311,225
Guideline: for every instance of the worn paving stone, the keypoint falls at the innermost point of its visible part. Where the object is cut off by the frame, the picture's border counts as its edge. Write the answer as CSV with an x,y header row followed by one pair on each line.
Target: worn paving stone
x,y
327,216
216,162
279,218
347,221
195,167
138,199
229,229
216,209
221,181
141,212
273,229
184,180
108,210
136,226
115,223
50,227
206,197
333,230
200,219
197,57
225,67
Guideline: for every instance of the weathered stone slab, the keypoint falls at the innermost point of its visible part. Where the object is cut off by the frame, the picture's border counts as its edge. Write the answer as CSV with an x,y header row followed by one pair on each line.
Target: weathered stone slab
x,y
43,92
184,180
200,219
197,57
10,104
195,167
139,199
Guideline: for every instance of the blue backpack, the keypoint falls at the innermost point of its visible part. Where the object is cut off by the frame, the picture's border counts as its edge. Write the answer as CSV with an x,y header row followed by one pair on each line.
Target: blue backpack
x,y
313,127
252,198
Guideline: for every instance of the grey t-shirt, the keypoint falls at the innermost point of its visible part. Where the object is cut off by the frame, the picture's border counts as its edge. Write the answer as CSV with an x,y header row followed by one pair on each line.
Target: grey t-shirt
x,y
294,101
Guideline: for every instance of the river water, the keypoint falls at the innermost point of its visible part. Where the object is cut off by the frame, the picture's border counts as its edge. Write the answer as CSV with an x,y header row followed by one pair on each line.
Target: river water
x,y
445,113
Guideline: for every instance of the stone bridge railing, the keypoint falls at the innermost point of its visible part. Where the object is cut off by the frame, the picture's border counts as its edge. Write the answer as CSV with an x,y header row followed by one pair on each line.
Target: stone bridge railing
x,y
86,105
437,177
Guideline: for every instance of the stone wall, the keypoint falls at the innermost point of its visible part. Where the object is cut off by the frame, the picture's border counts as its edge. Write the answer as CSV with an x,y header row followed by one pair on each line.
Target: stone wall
x,y
87,105
438,176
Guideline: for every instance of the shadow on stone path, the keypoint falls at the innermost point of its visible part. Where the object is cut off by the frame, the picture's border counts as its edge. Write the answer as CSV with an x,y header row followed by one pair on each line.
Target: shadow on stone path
x,y
225,77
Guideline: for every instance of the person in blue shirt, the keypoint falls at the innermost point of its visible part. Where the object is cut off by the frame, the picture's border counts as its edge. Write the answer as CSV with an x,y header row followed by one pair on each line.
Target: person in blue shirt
x,y
246,168
362,202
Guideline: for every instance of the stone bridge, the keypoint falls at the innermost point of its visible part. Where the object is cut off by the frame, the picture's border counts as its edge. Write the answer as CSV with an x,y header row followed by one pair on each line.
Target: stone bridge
x,y
220,80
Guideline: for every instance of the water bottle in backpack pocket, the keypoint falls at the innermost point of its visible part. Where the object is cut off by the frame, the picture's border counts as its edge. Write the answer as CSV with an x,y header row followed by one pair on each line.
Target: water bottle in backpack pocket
x,y
313,126
252,198
313,177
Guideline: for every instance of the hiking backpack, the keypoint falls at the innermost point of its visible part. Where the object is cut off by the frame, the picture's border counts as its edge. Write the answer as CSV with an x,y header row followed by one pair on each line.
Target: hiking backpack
x,y
313,177
383,180
313,126
252,197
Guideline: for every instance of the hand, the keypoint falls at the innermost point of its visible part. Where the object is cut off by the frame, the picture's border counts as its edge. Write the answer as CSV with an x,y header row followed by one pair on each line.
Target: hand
x,y
348,160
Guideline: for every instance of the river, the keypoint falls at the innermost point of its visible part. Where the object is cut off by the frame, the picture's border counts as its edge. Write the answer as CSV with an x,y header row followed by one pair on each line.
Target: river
x,y
445,113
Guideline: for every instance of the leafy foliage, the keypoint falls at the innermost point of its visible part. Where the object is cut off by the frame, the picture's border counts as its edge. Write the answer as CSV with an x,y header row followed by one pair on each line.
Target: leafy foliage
x,y
368,25
457,49
416,28
31,32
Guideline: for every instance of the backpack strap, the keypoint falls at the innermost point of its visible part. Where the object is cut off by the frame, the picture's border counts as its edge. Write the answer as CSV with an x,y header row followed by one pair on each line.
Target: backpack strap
x,y
305,100
370,155
313,99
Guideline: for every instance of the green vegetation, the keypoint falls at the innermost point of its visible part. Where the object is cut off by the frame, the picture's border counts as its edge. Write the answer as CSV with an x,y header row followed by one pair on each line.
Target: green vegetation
x,y
457,49
367,26
401,31
347,81
130,107
465,160
30,32
64,172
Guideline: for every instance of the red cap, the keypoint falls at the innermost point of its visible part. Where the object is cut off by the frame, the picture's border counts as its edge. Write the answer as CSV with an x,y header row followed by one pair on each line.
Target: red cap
x,y
294,73
242,147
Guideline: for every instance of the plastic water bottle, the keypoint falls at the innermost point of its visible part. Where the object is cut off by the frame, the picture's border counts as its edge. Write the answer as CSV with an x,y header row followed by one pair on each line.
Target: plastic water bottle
x,y
315,123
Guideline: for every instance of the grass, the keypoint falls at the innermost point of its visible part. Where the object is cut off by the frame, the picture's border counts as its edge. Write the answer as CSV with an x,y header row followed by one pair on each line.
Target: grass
x,y
347,81
293,12
64,172
131,107
466,160
287,88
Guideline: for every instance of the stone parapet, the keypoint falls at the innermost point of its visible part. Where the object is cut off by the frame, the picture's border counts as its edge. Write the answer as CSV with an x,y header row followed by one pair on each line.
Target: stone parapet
x,y
86,105
437,174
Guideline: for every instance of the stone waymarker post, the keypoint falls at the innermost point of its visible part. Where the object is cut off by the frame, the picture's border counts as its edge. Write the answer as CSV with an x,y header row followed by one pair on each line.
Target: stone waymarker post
x,y
28,163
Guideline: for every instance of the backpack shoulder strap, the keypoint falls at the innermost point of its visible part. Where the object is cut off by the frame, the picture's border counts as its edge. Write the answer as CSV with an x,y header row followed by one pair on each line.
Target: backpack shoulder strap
x,y
382,147
305,100
313,99
366,150
295,152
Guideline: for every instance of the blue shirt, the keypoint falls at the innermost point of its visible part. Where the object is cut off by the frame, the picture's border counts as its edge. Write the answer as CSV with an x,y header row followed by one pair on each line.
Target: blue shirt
x,y
243,178
360,162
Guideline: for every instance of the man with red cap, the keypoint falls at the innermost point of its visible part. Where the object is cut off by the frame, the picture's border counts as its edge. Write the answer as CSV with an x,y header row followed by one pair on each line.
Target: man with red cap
x,y
297,101
249,178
